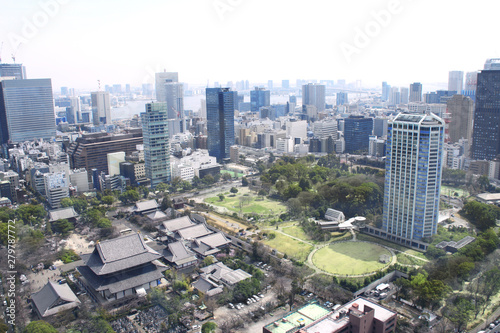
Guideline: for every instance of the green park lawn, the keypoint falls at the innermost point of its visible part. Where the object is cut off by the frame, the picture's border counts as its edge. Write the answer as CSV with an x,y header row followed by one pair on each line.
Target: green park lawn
x,y
391,245
296,231
250,204
291,247
403,259
350,258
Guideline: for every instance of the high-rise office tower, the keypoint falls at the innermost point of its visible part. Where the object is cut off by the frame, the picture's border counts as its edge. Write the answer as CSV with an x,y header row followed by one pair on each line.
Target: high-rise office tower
x,y
156,143
314,94
456,81
357,131
101,108
404,95
385,91
220,121
174,97
492,64
259,97
416,92
17,71
26,110
414,158
380,127
470,81
486,132
394,96
270,84
462,117
160,80
342,98
285,84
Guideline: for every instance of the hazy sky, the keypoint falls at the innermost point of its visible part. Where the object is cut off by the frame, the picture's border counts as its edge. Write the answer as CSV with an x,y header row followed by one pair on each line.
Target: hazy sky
x,y
77,42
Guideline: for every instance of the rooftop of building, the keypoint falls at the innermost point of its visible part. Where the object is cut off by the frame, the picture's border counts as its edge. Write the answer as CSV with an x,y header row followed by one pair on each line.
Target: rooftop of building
x,y
53,298
489,196
301,317
119,254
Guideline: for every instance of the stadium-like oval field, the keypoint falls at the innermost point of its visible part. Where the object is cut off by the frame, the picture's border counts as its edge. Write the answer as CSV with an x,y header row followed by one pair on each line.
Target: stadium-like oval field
x,y
351,258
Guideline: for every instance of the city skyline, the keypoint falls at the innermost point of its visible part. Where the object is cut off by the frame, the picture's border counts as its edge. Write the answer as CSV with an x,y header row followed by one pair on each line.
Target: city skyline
x,y
77,44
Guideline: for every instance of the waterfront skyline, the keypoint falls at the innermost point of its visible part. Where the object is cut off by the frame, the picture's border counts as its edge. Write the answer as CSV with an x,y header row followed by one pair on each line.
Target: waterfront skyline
x,y
78,43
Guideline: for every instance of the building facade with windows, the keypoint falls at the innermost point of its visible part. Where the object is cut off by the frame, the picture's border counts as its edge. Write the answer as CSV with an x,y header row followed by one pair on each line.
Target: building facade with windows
x,y
414,160
486,132
156,143
220,121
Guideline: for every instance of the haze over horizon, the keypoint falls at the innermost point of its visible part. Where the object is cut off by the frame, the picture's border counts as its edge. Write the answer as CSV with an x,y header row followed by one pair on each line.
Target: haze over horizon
x,y
398,41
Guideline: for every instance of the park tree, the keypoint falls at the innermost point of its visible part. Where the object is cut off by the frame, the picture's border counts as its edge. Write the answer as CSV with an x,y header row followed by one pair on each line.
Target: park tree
x,y
39,326
221,197
161,187
209,327
226,176
459,312
129,196
233,190
244,181
166,202
108,200
64,227
483,216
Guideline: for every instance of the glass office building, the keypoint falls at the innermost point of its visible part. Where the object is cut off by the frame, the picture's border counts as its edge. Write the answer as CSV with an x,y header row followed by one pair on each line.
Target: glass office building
x,y
26,110
156,143
486,130
220,121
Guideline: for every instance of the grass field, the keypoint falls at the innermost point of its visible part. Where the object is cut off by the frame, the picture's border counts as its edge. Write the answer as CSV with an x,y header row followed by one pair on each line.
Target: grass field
x,y
292,248
391,245
403,259
250,204
350,258
296,231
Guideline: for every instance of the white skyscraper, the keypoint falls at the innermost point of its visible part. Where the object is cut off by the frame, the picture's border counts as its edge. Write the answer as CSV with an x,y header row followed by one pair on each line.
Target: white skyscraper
x,y
414,159
160,80
456,81
101,108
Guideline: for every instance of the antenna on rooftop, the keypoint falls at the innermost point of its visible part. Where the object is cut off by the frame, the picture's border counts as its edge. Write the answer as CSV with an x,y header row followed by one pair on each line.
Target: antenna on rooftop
x,y
99,85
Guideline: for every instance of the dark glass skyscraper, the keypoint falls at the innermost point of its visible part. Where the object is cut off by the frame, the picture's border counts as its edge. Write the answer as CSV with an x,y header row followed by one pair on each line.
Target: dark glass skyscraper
x,y
357,131
26,110
220,121
486,132
259,97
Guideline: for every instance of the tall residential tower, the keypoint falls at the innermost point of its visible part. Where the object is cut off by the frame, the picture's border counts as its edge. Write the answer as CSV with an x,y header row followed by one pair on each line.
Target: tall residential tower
x,y
414,160
156,143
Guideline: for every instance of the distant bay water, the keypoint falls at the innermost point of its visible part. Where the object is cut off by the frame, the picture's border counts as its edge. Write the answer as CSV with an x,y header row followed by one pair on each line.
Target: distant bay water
x,y
194,103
